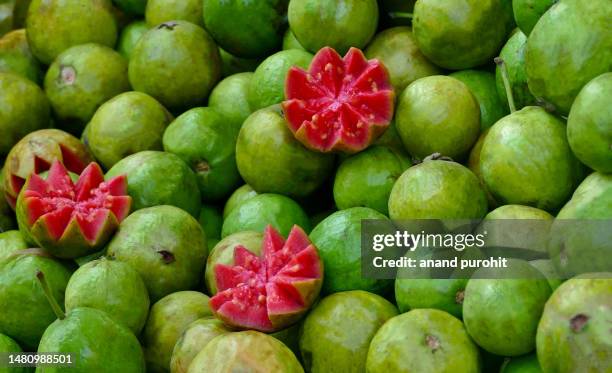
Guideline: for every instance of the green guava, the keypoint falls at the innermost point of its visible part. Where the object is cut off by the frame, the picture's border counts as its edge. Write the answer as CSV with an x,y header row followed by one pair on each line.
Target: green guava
x,y
256,213
337,24
130,35
240,195
8,345
168,319
6,16
176,62
230,99
132,7
522,364
336,334
441,294
16,56
290,42
438,114
434,340
160,11
570,45
589,125
231,64
211,221
165,245
528,12
53,27
513,55
397,50
391,139
290,337
193,340
547,268
11,241
113,287
159,178
203,139
271,160
473,164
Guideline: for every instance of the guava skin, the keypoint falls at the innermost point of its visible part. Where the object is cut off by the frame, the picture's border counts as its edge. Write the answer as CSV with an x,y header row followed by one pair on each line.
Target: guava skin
x,y
522,364
73,22
202,138
336,334
7,216
80,80
230,99
337,24
397,50
513,54
26,313
113,287
25,109
8,345
526,160
391,139
133,7
240,195
6,17
271,160
573,334
130,35
231,64
547,268
211,221
159,178
11,241
338,240
570,45
290,42
589,125
195,337
126,124
435,341
160,11
441,294
267,87
98,342
459,34
182,76
266,209
438,114
168,319
528,12
16,56
165,245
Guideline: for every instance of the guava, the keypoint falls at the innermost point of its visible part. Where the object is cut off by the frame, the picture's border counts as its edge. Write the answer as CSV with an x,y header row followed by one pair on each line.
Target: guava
x,y
160,11
271,160
528,12
336,334
522,364
211,221
25,108
573,334
132,7
589,125
397,50
570,40
73,22
441,294
165,245
513,56
9,346
6,16
290,337
459,34
25,310
248,351
16,56
435,341
113,287
526,160
391,139
339,103
290,42
473,164
339,25
159,178
230,99
239,195
11,241
193,340
168,319
126,124
231,64
130,35
338,238
547,268
365,179
183,74
502,314
256,213
438,114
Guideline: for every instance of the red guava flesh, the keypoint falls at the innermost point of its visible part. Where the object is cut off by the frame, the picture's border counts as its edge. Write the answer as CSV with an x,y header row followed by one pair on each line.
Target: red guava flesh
x,y
339,103
72,220
270,292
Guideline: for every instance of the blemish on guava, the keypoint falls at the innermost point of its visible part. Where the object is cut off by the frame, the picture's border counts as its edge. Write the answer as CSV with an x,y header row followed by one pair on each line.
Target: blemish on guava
x,y
67,75
432,342
168,25
578,322
167,256
460,296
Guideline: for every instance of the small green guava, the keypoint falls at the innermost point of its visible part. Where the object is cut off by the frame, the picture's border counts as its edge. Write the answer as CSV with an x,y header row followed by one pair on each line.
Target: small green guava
x,y
231,64
130,35
240,195
513,55
521,364
441,294
132,7
11,241
193,340
290,42
16,56
473,164
211,221
547,268
230,99
9,346
528,12
160,11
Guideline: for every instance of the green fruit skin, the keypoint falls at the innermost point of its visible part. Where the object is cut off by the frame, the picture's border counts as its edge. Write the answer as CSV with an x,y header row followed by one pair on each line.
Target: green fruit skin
x,y
6,17
165,245
248,351
25,108
440,294
26,313
438,114
168,319
526,160
396,48
231,65
7,219
565,346
338,24
113,287
522,364
158,178
570,45
160,11
202,138
459,34
336,334
338,240
266,209
513,54
391,139
366,178
195,337
547,268
80,80
437,342
230,99
211,221
290,337
129,37
437,190
73,22
8,345
16,57
240,195
290,42
267,87
11,241
271,160
184,74
134,7
528,12
589,126
482,85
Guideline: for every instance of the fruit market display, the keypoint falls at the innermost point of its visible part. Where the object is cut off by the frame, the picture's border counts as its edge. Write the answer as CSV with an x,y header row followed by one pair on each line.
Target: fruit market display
x,y
184,184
